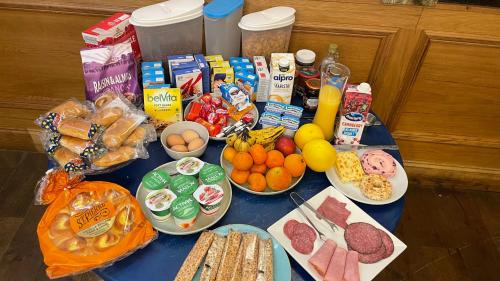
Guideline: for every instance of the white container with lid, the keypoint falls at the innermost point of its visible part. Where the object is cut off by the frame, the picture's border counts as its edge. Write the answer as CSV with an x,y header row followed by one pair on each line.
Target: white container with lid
x,y
172,27
305,57
267,31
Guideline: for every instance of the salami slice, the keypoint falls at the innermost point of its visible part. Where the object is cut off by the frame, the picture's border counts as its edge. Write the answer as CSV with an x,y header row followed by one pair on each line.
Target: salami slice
x,y
288,228
374,257
302,244
388,244
363,238
302,229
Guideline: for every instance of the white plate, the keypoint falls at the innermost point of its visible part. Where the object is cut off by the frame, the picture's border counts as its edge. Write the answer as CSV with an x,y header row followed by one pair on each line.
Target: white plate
x,y
399,185
254,111
367,271
281,263
202,222
228,167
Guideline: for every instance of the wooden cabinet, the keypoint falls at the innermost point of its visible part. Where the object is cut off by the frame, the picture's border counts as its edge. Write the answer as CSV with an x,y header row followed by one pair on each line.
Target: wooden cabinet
x,y
434,71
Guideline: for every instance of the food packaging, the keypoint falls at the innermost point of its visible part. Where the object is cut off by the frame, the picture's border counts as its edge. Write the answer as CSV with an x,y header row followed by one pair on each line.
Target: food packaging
x,y
209,197
248,68
221,75
79,128
185,209
71,108
267,31
119,156
264,79
183,185
189,81
156,180
222,35
239,60
282,76
114,136
176,60
234,96
172,27
354,109
189,166
87,225
205,71
147,65
115,29
212,58
164,105
247,83
159,202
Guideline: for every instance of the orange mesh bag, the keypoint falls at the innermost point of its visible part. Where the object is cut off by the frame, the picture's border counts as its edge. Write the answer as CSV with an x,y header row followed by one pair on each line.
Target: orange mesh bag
x,y
89,224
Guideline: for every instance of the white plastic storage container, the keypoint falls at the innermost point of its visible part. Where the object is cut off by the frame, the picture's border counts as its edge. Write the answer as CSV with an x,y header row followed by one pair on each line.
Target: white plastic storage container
x,y
222,34
172,27
267,31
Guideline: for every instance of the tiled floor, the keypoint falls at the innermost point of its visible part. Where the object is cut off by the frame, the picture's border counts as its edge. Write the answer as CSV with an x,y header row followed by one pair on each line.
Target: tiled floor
x,y
451,235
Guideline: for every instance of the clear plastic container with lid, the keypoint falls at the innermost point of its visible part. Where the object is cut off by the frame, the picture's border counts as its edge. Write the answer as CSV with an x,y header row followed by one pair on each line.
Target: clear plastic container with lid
x,y
267,31
172,27
222,34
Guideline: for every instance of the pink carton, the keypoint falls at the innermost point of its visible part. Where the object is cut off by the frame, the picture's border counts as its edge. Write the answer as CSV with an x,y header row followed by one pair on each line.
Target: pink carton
x,y
353,112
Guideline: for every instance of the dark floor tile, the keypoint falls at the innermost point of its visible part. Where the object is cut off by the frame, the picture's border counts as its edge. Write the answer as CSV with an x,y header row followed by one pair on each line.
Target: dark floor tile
x,y
8,229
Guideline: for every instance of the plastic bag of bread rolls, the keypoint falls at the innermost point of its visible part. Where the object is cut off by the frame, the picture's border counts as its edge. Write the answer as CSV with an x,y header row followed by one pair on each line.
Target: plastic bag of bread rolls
x,y
145,133
88,224
119,156
114,136
87,149
71,108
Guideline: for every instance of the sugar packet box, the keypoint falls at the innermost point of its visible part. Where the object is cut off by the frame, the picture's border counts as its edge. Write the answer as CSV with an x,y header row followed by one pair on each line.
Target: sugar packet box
x,y
263,77
246,82
282,77
234,96
353,112
205,72
176,60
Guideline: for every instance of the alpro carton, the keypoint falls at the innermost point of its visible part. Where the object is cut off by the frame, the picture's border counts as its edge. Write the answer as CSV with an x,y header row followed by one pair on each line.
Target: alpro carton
x,y
282,75
163,104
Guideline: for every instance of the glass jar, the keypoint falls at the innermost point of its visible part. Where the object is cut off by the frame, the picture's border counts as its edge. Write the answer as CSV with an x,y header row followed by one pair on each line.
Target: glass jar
x,y
311,94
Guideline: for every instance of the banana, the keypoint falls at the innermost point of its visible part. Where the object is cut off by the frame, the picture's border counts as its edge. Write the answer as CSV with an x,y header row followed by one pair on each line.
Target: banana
x,y
267,135
231,139
269,146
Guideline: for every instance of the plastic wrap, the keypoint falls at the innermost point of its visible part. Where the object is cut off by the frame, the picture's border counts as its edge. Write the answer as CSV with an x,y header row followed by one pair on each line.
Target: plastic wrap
x,y
121,155
88,224
119,131
79,128
71,108
145,133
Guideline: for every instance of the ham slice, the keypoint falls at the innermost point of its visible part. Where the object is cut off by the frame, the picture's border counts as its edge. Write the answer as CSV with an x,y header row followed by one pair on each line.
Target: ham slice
x,y
335,271
321,258
335,211
351,271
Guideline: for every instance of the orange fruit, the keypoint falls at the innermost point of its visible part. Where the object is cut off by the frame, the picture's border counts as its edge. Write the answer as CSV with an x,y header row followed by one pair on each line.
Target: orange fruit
x,y
258,153
242,161
239,177
275,159
229,153
295,164
257,182
278,178
261,169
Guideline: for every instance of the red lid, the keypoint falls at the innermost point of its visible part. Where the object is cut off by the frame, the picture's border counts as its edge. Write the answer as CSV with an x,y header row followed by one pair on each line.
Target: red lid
x,y
309,72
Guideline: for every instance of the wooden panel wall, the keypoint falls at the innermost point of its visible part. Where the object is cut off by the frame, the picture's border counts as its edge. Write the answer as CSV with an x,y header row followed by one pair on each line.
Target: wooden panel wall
x,y
434,71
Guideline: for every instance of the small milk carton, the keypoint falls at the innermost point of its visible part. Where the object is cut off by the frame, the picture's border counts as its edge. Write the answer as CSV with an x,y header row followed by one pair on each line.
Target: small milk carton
x,y
282,75
353,112
263,77
163,104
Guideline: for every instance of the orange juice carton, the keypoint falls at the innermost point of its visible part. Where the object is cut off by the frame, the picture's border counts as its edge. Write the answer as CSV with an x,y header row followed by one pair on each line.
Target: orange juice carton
x,y
282,75
263,77
163,104
353,112
246,82
219,76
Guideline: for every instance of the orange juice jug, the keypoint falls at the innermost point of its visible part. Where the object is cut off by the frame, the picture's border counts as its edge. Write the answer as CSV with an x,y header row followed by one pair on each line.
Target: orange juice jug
x,y
328,105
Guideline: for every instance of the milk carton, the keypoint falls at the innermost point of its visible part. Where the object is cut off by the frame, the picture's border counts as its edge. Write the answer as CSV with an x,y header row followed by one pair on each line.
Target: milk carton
x,y
263,77
282,74
353,112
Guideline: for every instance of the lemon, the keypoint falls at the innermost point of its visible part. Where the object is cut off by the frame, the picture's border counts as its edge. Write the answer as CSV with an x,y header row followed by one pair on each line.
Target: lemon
x,y
319,154
307,133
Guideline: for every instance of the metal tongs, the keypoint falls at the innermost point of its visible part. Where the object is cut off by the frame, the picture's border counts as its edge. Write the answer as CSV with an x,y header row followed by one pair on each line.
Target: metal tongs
x,y
295,198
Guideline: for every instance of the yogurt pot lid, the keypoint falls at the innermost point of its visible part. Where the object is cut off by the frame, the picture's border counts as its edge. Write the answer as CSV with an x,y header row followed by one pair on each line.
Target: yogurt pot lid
x,y
160,200
168,12
271,18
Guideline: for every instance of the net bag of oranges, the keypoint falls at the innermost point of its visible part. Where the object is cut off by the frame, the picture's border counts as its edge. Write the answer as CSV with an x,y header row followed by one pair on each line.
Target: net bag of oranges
x,y
88,224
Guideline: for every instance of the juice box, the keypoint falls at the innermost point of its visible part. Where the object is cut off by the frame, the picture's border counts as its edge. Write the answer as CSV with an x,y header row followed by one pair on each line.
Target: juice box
x,y
214,58
205,72
246,82
163,104
282,77
353,112
189,81
232,94
221,76
176,60
263,77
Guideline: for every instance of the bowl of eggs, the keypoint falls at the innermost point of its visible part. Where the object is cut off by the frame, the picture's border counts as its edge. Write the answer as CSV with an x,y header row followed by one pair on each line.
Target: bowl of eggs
x,y
184,139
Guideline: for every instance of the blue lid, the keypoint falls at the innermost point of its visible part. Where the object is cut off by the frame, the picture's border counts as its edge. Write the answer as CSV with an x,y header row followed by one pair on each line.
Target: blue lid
x,y
221,8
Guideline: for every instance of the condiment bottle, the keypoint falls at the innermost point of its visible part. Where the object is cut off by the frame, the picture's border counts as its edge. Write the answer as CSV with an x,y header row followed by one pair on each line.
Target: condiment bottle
x,y
332,57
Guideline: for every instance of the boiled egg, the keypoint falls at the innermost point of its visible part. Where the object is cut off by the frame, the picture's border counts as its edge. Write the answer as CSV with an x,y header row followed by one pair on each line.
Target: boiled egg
x,y
174,139
190,135
195,144
179,148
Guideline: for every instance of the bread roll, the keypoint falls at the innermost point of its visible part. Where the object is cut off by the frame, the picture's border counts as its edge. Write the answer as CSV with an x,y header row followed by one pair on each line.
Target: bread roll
x,y
64,156
71,109
119,131
107,116
105,99
78,128
112,158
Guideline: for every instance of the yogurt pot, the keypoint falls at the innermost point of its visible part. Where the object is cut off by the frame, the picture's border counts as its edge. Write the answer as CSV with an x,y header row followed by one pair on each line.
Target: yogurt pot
x,y
155,180
183,185
159,202
212,174
185,209
189,166
209,197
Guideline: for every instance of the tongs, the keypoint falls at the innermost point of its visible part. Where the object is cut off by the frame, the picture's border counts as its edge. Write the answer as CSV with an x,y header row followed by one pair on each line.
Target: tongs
x,y
295,198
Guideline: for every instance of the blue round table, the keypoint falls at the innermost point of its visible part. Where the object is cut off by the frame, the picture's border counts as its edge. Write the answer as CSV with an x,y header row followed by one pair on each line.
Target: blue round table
x,y
160,260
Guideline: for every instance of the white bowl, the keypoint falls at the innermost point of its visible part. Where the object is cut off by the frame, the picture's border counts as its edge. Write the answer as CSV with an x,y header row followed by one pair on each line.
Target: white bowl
x,y
179,128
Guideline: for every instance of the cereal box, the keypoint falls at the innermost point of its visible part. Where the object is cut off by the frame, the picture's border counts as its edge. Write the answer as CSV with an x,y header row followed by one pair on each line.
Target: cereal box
x,y
148,65
163,104
205,72
153,72
232,94
189,81
282,75
214,58
222,64
176,60
244,67
220,76
353,112
238,60
263,77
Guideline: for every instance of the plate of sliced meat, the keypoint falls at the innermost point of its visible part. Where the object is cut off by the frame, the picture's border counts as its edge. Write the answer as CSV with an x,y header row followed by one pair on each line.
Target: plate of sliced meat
x,y
358,248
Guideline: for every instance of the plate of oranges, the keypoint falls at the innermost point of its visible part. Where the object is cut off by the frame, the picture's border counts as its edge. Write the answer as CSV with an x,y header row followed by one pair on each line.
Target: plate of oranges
x,y
263,172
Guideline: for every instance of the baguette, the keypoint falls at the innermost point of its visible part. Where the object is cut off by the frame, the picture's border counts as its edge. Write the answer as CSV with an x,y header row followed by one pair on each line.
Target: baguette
x,y
195,257
230,252
213,259
238,267
251,257
265,265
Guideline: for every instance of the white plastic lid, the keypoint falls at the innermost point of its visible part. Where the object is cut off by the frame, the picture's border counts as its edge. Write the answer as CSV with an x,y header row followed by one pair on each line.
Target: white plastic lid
x,y
284,62
364,88
305,56
268,19
168,12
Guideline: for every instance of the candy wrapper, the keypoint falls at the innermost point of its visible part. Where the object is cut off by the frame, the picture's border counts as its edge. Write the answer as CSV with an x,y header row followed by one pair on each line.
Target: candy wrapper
x,y
87,225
